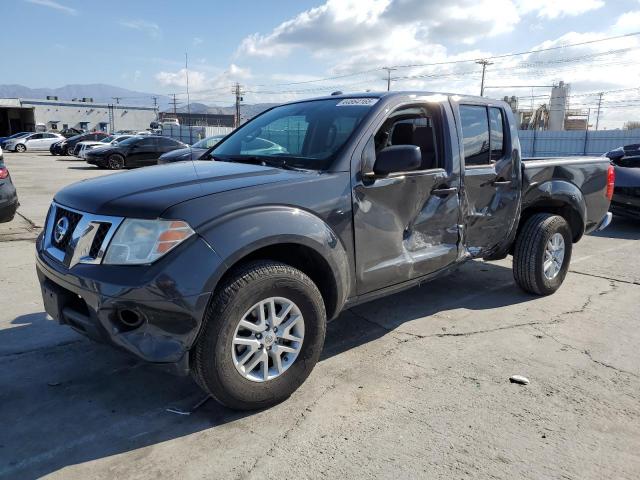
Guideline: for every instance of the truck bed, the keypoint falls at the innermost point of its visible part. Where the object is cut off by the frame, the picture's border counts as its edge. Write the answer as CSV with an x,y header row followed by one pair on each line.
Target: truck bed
x,y
580,180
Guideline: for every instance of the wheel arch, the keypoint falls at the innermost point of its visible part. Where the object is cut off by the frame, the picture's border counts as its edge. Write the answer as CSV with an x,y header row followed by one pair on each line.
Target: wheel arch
x,y
288,235
560,198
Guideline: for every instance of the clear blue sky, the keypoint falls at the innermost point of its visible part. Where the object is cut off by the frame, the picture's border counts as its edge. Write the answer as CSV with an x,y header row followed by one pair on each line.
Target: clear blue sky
x,y
140,45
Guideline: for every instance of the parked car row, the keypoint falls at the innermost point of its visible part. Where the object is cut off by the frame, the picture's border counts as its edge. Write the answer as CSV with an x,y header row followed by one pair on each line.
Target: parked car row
x,y
66,146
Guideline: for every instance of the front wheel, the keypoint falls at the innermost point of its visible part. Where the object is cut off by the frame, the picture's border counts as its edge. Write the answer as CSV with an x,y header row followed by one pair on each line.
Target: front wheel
x,y
69,151
542,254
261,337
116,162
20,148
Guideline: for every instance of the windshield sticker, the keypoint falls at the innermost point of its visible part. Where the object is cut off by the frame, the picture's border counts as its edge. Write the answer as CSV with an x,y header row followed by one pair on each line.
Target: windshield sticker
x,y
364,102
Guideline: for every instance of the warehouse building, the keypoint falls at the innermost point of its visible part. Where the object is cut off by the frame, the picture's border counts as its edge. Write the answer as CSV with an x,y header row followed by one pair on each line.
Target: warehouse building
x,y
200,119
51,114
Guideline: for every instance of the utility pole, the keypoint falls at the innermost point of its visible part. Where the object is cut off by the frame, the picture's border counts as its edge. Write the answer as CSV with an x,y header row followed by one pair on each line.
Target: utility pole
x,y
237,91
113,112
599,104
186,71
484,64
174,102
389,70
155,107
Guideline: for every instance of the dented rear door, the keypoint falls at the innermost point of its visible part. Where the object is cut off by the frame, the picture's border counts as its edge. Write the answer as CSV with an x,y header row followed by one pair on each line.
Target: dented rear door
x,y
406,225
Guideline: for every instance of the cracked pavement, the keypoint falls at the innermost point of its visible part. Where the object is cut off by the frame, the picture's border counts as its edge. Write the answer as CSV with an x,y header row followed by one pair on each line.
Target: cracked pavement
x,y
415,385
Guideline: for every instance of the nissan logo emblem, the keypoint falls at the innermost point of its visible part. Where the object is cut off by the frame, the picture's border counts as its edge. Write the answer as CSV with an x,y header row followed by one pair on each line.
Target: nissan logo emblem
x,y
61,229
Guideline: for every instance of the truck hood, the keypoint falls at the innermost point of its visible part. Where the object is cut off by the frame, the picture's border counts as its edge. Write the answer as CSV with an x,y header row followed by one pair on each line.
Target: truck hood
x,y
147,192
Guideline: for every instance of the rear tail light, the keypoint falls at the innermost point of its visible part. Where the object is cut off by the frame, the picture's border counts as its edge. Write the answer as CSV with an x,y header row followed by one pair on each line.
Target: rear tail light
x,y
4,173
611,177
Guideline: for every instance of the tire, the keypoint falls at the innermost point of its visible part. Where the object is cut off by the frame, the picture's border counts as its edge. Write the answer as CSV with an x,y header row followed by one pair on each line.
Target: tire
x,y
69,151
539,234
20,148
115,162
214,356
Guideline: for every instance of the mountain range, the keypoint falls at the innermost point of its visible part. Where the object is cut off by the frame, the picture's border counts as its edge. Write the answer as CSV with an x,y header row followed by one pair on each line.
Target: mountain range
x,y
102,93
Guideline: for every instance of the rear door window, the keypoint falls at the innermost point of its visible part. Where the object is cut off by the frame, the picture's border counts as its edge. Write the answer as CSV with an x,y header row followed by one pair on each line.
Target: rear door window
x,y
475,134
497,133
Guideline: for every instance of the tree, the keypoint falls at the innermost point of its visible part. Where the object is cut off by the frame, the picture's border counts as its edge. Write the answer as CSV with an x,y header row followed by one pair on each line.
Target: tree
x,y
632,125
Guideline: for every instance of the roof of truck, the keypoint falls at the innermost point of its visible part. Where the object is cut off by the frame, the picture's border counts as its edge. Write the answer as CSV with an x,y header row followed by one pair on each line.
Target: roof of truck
x,y
397,93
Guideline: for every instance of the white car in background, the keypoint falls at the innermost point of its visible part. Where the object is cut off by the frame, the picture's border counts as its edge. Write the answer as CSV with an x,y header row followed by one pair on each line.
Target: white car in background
x,y
33,142
83,147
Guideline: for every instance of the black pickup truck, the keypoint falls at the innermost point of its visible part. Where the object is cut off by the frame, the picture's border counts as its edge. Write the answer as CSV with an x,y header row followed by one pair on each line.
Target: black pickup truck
x,y
229,269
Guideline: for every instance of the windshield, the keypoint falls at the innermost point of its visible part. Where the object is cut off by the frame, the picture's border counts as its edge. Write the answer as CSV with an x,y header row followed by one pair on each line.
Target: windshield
x,y
107,139
208,142
304,135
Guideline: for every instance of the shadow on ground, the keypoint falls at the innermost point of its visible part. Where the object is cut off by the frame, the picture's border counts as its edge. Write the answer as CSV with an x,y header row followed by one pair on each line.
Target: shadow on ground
x,y
75,401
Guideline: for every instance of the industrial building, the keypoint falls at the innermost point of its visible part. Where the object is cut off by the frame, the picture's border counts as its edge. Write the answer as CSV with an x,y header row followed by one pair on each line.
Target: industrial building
x,y
553,116
51,114
199,119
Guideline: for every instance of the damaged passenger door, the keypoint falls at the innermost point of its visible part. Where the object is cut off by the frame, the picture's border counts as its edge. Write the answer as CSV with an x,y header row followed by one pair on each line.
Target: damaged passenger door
x,y
406,206
491,194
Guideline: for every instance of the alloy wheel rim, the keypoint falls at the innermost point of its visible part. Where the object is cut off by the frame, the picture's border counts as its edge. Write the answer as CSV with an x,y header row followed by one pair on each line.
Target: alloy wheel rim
x,y
115,163
268,339
553,256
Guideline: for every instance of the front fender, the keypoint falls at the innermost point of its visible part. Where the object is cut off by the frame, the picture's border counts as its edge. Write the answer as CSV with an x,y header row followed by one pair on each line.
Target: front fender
x,y
238,234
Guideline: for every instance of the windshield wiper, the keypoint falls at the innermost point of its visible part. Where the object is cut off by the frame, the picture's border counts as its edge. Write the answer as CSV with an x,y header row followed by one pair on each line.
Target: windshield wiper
x,y
264,161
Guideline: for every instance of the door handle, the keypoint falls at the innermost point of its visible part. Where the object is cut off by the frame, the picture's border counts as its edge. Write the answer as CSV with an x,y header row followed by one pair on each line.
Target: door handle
x,y
443,192
501,181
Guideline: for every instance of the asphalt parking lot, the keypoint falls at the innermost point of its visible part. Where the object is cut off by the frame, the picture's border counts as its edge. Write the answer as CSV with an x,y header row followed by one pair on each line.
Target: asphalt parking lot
x,y
412,386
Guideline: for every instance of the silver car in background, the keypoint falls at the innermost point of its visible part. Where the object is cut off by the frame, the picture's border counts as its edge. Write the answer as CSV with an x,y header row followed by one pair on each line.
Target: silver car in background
x,y
34,141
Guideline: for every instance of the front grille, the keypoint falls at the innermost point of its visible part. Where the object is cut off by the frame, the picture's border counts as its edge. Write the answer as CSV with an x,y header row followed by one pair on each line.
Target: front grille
x,y
86,239
73,218
98,240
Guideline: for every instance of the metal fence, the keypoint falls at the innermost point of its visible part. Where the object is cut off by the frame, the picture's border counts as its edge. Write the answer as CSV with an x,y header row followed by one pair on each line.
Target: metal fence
x,y
553,144
191,135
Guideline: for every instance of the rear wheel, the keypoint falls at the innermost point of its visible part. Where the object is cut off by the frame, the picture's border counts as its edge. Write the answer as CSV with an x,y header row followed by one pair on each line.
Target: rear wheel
x,y
542,254
262,335
116,162
20,148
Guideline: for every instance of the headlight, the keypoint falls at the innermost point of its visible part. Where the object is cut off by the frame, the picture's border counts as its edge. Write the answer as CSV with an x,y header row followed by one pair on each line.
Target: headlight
x,y
144,241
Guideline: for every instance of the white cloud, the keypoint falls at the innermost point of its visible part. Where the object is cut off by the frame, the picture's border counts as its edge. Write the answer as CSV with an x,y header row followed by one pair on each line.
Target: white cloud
x,y
150,28
54,5
197,41
197,80
627,22
552,9
204,84
388,25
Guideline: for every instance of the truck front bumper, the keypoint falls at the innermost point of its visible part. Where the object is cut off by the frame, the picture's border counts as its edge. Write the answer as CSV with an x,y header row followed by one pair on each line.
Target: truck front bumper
x,y
153,311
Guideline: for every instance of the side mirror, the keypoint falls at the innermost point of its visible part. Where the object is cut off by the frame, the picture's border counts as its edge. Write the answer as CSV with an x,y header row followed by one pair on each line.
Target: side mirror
x,y
397,158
